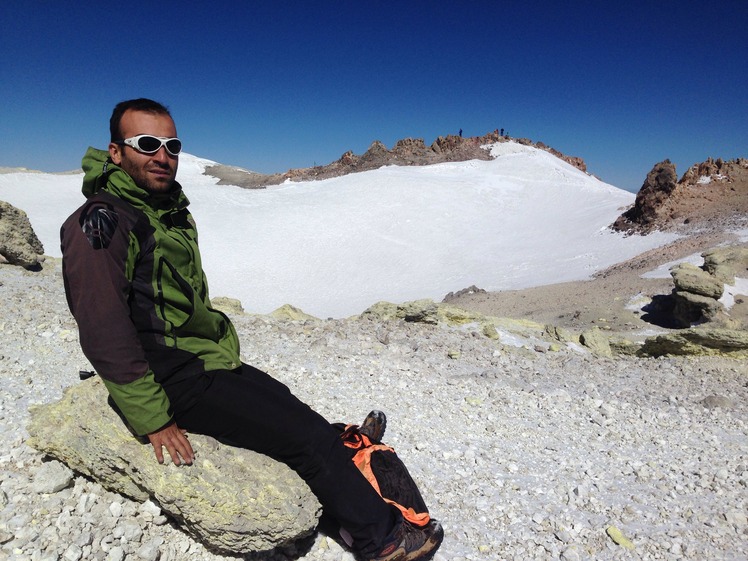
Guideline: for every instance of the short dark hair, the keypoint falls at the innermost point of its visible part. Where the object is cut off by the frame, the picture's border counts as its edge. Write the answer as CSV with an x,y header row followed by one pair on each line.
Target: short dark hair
x,y
140,104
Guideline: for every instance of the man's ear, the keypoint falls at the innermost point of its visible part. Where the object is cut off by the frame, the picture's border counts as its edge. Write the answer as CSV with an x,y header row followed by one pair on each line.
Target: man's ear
x,y
115,152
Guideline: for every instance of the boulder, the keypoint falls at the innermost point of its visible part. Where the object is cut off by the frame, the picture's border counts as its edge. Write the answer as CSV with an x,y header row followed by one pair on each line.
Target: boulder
x,y
230,306
690,308
562,334
287,311
420,311
698,290
381,311
690,278
596,341
416,311
18,242
232,500
423,311
427,311
715,401
702,341
726,263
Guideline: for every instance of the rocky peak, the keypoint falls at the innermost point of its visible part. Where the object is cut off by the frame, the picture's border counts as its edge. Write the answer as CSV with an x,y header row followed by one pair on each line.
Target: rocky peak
x,y
712,170
376,149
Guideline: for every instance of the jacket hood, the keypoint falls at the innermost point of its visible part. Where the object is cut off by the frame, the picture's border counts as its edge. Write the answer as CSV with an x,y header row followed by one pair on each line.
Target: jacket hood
x,y
101,174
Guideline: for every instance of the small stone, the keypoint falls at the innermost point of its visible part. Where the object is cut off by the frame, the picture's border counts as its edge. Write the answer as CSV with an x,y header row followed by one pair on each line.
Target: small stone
x,y
106,543
84,539
52,477
150,508
73,553
571,553
116,554
129,531
150,550
563,536
737,518
715,401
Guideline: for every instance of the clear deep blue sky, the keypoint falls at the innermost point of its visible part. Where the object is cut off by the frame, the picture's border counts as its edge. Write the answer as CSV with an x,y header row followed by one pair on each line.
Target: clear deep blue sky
x,y
270,86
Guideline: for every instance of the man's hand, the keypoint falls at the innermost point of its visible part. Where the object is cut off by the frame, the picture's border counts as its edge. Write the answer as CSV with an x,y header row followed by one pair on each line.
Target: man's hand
x,y
176,443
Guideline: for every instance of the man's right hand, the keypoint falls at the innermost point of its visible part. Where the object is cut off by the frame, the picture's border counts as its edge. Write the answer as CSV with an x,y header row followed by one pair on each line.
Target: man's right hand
x,y
176,443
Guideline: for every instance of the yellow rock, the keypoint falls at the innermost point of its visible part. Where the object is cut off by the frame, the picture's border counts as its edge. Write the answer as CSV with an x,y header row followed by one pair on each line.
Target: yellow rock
x,y
617,536
287,311
489,330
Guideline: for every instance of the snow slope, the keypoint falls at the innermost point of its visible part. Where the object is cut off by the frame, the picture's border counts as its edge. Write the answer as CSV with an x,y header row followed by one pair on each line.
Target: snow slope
x,y
335,247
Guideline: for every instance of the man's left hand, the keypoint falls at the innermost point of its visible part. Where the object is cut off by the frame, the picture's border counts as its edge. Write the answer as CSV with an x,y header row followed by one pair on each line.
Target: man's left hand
x,y
176,443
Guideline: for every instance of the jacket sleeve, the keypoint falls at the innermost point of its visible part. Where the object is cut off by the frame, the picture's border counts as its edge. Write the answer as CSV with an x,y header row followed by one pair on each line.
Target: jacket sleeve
x,y
96,243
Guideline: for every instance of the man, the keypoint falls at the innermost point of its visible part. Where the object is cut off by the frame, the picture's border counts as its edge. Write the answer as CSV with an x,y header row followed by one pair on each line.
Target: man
x,y
135,285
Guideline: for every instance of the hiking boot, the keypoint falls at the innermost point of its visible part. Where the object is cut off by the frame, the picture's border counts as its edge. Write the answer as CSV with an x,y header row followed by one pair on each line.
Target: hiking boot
x,y
411,543
374,425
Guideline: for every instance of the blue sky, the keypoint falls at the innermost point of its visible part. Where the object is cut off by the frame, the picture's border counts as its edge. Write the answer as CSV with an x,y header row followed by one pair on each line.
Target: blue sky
x,y
270,86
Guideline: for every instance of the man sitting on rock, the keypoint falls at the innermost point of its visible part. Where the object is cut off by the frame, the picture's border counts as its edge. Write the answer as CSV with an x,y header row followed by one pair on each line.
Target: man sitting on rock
x,y
135,285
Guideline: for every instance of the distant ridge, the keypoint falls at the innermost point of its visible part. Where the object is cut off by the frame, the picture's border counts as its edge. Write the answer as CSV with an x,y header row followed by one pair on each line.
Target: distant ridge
x,y
406,152
4,170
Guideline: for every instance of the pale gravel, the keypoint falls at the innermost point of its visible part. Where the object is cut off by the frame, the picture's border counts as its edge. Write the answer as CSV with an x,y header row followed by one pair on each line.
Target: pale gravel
x,y
521,454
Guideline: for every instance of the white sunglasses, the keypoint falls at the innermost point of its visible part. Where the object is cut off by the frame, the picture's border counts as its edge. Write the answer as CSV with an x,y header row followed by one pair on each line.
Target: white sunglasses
x,y
149,144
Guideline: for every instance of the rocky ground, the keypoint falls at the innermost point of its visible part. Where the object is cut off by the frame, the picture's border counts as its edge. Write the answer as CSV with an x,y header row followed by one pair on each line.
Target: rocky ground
x,y
522,453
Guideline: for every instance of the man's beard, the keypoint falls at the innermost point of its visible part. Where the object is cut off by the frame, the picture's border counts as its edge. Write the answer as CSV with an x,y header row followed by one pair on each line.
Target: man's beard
x,y
152,183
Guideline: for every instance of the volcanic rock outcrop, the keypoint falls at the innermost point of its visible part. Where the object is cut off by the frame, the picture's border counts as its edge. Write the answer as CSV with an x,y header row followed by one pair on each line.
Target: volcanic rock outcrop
x,y
712,193
18,242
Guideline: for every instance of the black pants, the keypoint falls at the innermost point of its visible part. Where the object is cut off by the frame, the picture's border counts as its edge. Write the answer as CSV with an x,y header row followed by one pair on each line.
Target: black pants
x,y
249,409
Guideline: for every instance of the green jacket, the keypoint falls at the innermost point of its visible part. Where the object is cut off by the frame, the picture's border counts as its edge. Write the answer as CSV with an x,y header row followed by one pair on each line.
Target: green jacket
x,y
135,285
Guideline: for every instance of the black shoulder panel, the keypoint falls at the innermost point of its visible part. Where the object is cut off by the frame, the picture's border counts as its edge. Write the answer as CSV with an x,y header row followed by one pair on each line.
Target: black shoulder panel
x,y
99,224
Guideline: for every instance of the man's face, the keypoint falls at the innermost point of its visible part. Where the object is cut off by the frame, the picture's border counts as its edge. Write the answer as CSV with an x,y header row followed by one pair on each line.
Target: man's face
x,y
152,172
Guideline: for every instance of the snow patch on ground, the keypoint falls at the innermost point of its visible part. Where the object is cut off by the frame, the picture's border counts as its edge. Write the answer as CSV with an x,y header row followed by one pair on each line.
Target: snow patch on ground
x,y
663,271
732,290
